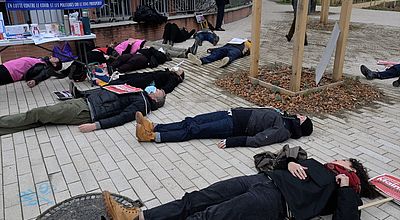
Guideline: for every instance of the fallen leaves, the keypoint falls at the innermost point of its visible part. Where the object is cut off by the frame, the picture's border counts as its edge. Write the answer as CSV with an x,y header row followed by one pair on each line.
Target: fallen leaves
x,y
348,95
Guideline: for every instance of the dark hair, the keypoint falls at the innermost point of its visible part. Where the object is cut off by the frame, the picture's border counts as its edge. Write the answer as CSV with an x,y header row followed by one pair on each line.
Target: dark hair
x,y
58,65
367,189
306,127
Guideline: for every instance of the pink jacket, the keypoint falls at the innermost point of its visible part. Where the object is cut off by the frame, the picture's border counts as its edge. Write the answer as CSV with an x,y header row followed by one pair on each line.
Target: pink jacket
x,y
122,46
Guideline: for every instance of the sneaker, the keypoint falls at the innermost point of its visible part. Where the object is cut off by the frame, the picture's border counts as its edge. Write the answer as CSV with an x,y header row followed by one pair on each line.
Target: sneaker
x,y
219,29
118,212
369,74
143,135
140,119
224,62
194,59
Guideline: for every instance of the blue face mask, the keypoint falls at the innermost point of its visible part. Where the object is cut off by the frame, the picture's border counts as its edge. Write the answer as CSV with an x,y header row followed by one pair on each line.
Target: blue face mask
x,y
150,89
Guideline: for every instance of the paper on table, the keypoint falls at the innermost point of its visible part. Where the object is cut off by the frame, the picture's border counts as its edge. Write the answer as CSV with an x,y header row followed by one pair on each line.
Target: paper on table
x,y
42,40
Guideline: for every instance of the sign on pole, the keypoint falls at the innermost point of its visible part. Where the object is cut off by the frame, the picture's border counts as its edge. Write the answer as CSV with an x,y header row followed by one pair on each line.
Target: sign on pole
x,y
52,4
326,57
387,184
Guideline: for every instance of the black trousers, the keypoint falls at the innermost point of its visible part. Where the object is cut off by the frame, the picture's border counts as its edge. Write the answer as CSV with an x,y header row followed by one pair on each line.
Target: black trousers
x,y
220,12
293,28
5,77
173,33
247,197
128,62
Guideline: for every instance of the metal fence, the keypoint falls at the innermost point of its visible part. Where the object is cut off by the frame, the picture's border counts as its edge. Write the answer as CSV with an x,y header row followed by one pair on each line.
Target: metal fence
x,y
118,10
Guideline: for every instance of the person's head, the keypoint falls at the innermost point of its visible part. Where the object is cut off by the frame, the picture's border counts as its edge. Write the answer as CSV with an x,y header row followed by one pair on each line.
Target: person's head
x,y
306,125
353,165
159,97
247,47
55,63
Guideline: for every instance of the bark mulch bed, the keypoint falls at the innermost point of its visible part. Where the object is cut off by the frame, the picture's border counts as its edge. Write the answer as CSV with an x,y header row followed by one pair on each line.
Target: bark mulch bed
x,y
316,25
350,94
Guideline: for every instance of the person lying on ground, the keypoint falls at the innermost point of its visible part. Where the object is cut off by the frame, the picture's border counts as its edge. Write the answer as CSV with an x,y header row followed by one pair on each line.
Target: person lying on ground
x,y
294,189
130,46
169,50
146,57
203,35
32,70
173,34
227,53
391,72
165,80
100,110
249,127
102,55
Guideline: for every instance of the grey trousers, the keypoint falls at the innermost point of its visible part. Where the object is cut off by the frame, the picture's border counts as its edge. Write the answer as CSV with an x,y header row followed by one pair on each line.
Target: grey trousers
x,y
71,112
172,51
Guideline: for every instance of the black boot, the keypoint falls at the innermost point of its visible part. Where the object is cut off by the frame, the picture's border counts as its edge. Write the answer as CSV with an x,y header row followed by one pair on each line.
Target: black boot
x,y
369,74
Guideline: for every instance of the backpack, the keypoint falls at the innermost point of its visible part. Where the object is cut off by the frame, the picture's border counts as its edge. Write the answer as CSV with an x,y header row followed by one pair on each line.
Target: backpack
x,y
63,52
267,161
76,71
149,15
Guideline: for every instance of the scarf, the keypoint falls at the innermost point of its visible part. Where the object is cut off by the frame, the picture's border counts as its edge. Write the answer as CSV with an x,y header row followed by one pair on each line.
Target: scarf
x,y
354,181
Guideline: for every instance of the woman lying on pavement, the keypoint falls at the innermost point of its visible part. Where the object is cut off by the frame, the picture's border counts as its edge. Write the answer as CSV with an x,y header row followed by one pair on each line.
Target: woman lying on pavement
x,y
303,189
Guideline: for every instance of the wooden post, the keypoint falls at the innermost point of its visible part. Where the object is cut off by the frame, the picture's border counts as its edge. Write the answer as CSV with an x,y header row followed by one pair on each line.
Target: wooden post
x,y
344,23
255,37
324,11
298,48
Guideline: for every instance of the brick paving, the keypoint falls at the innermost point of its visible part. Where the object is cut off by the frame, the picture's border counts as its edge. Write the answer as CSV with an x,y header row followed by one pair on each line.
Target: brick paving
x,y
44,166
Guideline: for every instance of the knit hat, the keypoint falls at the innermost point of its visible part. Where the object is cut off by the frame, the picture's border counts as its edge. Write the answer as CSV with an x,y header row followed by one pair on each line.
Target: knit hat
x,y
306,127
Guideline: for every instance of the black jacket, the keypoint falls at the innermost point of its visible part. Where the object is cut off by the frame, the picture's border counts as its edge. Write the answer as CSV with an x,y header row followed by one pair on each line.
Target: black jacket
x,y
40,72
163,79
264,127
318,194
110,109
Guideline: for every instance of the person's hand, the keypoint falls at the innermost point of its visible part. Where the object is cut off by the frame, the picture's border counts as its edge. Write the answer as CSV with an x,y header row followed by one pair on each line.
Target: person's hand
x,y
31,83
222,144
87,127
342,180
297,170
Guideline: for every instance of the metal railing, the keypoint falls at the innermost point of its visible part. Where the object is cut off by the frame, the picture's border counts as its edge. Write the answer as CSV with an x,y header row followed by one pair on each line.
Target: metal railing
x,y
114,10
118,10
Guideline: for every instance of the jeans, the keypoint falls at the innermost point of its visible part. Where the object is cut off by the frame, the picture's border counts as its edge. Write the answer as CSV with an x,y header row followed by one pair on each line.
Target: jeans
x,y
210,125
71,112
226,51
247,197
206,36
392,72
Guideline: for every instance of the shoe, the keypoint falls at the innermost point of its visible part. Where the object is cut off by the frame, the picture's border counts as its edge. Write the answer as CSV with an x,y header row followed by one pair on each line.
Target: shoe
x,y
171,43
369,74
219,29
396,83
74,90
143,135
140,119
164,41
194,59
193,49
116,211
216,39
223,62
288,38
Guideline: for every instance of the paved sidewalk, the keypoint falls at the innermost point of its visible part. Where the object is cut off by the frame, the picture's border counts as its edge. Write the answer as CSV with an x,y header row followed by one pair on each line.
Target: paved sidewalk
x,y
44,166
